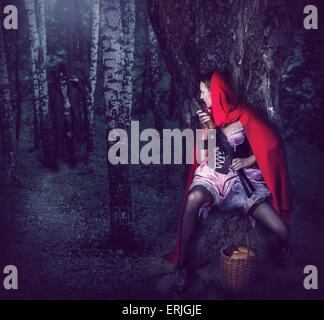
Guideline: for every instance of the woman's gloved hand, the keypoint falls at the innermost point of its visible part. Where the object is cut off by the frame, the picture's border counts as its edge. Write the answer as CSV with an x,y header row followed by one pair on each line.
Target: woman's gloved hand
x,y
204,117
239,163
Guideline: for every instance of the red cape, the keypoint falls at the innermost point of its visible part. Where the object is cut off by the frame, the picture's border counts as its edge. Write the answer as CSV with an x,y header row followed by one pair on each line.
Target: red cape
x,y
265,143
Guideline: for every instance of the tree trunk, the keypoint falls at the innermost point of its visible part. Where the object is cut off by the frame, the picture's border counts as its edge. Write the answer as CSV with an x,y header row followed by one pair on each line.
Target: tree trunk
x,y
140,104
93,75
42,28
31,15
128,29
141,109
7,117
17,85
155,77
117,116
38,50
248,40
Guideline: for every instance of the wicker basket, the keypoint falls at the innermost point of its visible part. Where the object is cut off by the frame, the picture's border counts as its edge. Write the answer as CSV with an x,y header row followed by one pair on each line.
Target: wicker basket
x,y
237,274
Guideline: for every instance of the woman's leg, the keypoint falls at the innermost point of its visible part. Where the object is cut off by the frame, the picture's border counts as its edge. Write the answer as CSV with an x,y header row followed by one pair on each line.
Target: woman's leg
x,y
266,214
196,198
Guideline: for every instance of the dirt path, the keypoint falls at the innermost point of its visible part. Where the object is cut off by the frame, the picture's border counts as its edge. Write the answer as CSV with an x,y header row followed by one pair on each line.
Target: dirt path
x,y
59,241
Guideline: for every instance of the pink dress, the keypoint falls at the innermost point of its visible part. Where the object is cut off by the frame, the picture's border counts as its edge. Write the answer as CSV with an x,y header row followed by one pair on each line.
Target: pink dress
x,y
227,189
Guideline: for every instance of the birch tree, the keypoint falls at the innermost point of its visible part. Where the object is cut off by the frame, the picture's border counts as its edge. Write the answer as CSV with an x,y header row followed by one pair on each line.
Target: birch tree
x,y
128,33
37,31
117,116
93,74
30,7
7,117
42,28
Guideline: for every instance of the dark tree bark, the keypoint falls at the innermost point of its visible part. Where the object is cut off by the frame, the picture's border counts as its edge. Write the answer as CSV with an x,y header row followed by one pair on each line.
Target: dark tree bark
x,y
248,40
142,100
77,45
155,79
145,83
8,144
17,82
71,35
75,49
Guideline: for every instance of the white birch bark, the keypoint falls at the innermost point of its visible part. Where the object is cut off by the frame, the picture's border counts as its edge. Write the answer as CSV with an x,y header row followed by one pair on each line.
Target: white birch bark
x,y
128,22
42,54
7,117
112,60
94,48
42,27
39,74
117,116
93,72
30,8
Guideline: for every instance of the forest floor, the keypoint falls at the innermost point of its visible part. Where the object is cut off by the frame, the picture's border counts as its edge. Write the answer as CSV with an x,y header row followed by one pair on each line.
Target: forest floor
x,y
55,229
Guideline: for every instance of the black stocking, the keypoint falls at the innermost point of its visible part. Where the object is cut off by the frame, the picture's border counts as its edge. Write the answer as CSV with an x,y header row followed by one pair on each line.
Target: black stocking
x,y
265,213
196,198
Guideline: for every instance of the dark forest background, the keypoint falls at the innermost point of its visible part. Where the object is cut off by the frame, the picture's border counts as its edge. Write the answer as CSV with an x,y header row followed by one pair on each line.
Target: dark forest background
x,y
98,230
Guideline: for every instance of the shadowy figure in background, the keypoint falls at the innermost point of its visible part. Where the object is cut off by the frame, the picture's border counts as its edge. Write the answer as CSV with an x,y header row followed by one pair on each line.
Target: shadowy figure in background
x,y
65,96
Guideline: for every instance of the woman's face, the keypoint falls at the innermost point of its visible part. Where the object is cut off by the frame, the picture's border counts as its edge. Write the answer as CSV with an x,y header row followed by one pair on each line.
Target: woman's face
x,y
205,94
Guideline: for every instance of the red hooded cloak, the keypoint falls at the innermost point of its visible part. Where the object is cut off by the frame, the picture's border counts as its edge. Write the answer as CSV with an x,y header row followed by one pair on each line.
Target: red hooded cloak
x,y
265,143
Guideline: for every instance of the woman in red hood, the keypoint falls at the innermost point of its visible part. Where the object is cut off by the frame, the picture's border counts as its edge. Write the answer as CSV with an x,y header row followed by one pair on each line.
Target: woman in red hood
x,y
265,166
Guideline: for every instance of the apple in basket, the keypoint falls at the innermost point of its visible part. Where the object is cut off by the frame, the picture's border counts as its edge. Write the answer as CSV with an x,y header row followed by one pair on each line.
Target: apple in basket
x,y
241,253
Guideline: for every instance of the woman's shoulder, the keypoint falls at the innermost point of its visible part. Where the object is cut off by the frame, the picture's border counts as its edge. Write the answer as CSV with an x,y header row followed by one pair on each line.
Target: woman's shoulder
x,y
250,113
